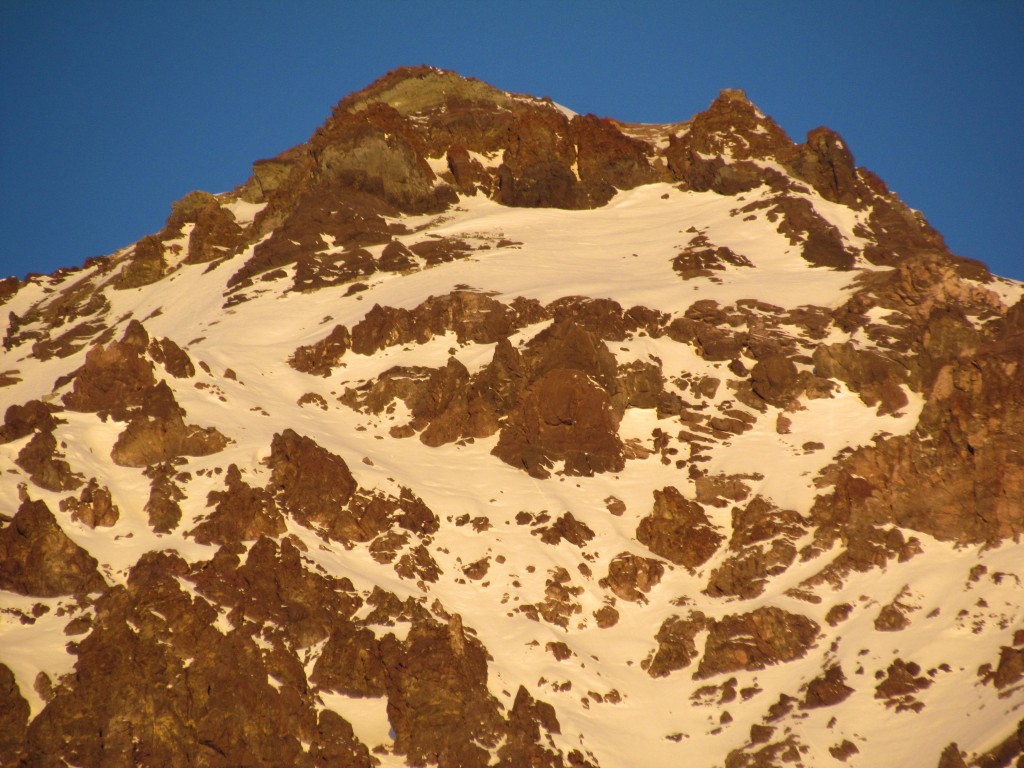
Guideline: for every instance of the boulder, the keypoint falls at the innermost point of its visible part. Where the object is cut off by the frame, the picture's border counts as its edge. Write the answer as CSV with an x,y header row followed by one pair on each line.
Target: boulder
x,y
755,640
679,530
563,416
94,507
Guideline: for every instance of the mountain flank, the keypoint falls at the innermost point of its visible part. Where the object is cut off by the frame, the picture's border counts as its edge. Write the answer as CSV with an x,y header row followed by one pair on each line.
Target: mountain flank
x,y
476,432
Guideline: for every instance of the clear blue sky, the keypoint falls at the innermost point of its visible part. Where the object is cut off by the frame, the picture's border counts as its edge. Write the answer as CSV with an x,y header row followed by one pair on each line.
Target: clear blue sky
x,y
110,111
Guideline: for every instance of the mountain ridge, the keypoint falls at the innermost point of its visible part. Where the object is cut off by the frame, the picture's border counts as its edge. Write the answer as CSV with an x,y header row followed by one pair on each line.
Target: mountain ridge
x,y
705,404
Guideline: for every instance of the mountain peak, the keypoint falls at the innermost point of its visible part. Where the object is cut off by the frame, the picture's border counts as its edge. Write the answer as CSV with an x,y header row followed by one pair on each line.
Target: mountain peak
x,y
476,432
419,89
733,94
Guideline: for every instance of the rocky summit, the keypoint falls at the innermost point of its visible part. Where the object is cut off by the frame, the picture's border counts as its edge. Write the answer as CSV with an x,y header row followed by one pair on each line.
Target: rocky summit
x,y
475,432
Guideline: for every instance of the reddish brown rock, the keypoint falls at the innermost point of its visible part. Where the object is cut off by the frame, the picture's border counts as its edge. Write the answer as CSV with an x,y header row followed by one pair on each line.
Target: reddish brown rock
x,y
335,743
273,586
826,690
72,313
322,270
443,402
477,569
606,159
45,464
574,342
93,507
951,757
563,416
23,420
530,723
640,385
919,286
241,513
114,378
821,243
875,378
414,515
838,614
145,265
959,475
448,404
38,559
351,663
441,250
901,681
700,258
900,233
678,530
565,528
314,486
473,316
9,286
1010,668
373,150
774,379
406,383
719,490
755,640
561,600
319,358
84,724
760,521
606,616
761,547
172,357
1005,752
536,171
604,319
630,576
215,233
297,219
157,432
396,258
187,694
744,574
677,648
14,714
467,172
438,702
500,384
162,507
843,750
731,127
891,618
867,546
712,343
418,564
785,751
826,163
570,408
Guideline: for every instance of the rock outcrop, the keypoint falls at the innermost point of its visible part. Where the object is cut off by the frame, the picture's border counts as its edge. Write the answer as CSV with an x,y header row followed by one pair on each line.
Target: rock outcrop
x,y
38,559
14,717
94,507
157,432
756,640
678,530
114,378
240,513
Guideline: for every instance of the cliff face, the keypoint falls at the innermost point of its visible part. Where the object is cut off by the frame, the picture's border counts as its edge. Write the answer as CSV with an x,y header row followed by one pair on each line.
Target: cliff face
x,y
476,432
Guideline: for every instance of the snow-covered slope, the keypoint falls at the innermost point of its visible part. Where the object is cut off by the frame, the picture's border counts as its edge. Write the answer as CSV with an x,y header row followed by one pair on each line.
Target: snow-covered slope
x,y
719,471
